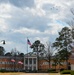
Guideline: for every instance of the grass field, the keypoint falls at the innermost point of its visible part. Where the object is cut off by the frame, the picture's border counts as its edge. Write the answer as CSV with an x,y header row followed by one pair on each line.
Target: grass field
x,y
29,74
11,73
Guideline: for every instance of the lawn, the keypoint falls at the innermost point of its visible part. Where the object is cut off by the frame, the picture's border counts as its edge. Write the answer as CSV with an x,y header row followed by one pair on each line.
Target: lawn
x,y
29,73
11,73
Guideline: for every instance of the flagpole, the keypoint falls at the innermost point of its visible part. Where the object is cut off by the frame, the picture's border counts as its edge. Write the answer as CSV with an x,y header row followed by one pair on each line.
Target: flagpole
x,y
27,47
27,51
28,43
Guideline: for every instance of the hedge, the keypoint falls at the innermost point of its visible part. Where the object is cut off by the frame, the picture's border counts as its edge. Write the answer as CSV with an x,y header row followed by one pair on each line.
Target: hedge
x,y
67,72
72,73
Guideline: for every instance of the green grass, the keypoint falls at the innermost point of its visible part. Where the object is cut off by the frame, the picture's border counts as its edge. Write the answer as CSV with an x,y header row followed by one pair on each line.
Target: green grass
x,y
72,73
67,72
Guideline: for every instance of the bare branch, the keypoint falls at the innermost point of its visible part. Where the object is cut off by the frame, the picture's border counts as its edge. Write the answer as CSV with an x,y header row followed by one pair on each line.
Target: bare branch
x,y
72,11
71,23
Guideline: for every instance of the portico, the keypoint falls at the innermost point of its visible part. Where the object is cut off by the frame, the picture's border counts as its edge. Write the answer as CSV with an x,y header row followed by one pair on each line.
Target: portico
x,y
30,62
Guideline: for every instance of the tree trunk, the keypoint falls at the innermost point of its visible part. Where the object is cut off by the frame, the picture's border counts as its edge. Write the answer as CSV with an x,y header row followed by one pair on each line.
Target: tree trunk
x,y
67,64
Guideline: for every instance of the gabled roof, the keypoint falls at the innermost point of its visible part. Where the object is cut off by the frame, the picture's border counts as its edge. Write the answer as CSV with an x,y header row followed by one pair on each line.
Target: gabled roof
x,y
31,54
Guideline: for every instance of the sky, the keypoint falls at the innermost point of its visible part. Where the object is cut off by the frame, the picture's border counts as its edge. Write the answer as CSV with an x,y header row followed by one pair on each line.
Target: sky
x,y
35,19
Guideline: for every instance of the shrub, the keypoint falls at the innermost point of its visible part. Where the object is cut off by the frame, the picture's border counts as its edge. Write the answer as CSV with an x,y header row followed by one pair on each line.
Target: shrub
x,y
62,69
52,70
66,72
72,73
2,70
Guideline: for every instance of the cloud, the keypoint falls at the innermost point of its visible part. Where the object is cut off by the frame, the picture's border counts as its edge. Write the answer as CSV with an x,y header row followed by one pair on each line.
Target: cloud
x,y
35,19
26,18
51,8
19,3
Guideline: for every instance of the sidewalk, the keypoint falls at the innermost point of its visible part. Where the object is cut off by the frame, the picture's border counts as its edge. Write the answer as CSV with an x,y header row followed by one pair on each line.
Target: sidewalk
x,y
29,73
40,74
54,74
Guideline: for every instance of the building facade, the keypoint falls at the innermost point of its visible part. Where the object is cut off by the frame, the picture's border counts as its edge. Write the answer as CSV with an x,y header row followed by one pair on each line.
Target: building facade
x,y
43,64
7,64
30,62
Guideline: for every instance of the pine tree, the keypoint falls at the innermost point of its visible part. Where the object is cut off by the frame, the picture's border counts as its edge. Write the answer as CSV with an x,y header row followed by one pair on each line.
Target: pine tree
x,y
62,42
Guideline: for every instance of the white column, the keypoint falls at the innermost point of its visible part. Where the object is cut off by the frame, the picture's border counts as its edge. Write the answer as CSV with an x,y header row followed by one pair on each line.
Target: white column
x,y
24,63
28,63
36,64
32,64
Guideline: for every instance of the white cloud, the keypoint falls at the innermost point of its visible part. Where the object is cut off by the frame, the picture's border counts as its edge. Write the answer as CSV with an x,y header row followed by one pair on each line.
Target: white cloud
x,y
5,8
3,26
43,39
37,21
50,31
54,28
27,31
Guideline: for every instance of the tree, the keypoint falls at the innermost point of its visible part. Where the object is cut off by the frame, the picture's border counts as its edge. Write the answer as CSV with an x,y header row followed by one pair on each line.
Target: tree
x,y
14,52
8,54
37,46
62,42
71,23
21,54
55,60
2,51
49,52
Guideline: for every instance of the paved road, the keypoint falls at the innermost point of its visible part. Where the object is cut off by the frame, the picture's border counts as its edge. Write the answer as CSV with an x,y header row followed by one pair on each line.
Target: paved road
x,y
40,74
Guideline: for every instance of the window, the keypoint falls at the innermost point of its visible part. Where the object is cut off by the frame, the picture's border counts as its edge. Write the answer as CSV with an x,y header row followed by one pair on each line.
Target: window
x,y
0,62
3,62
26,68
34,60
26,60
30,60
30,68
34,67
45,63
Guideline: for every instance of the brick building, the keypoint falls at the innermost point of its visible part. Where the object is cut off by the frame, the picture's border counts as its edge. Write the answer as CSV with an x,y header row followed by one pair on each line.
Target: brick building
x,y
31,62
42,64
71,59
6,63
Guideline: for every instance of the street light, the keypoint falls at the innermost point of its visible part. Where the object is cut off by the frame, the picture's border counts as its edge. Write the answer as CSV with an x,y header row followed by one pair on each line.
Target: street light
x,y
3,42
